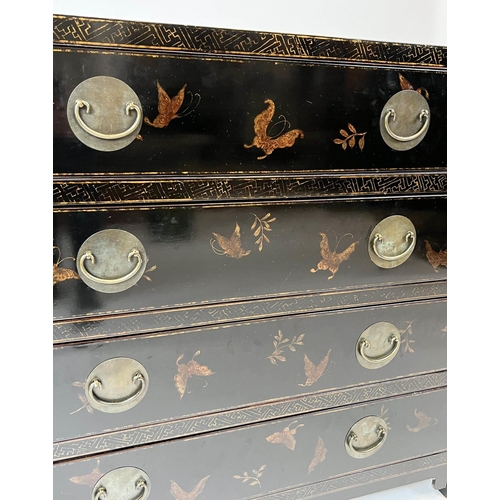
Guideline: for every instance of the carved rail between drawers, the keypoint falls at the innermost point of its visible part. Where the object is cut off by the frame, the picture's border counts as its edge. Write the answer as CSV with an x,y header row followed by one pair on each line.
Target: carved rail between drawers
x,y
95,328
149,191
251,415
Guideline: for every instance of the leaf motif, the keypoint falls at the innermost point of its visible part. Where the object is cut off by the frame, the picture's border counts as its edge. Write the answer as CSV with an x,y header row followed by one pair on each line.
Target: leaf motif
x,y
78,384
301,336
361,143
338,141
273,361
266,216
237,477
254,225
253,483
257,231
292,348
272,220
344,133
344,145
266,238
352,141
147,278
351,128
280,358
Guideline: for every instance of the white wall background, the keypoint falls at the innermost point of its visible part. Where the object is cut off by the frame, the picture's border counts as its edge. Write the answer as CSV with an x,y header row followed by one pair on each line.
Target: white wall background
x,y
411,21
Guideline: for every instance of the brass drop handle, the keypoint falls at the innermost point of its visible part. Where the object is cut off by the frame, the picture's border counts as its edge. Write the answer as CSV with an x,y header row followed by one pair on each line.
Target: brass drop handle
x,y
364,344
101,492
367,450
130,106
378,238
138,378
423,116
110,281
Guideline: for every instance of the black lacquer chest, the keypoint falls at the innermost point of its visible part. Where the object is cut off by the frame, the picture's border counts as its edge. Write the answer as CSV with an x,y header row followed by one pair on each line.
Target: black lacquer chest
x,y
249,263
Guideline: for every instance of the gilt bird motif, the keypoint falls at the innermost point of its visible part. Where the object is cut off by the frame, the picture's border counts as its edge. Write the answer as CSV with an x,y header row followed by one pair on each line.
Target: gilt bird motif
x,y
229,246
331,260
167,107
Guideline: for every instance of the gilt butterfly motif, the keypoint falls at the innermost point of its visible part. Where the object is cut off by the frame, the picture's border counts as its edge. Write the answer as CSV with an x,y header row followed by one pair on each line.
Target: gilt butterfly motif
x,y
168,108
263,141
88,479
319,455
424,421
435,258
331,260
313,372
179,494
406,85
61,273
188,370
286,436
229,246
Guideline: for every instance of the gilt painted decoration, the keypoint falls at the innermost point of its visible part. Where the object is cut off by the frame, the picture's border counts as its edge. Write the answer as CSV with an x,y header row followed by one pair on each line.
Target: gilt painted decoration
x,y
269,143
331,260
188,370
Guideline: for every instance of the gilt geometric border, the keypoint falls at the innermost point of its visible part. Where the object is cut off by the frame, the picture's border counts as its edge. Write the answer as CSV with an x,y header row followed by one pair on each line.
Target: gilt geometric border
x,y
99,191
154,321
89,32
360,478
164,431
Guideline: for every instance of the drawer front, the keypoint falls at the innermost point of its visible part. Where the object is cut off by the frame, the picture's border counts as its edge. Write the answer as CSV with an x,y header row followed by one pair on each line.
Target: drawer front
x,y
195,256
242,116
205,371
314,448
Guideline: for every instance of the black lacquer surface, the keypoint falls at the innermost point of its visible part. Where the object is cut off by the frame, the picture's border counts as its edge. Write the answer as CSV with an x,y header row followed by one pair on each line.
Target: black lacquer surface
x,y
221,456
251,363
188,270
222,99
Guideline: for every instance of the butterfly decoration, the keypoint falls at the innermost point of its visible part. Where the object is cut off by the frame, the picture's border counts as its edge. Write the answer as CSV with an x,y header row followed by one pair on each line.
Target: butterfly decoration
x,y
286,436
263,141
423,421
61,273
168,107
331,260
406,85
179,494
88,479
435,259
313,372
319,455
229,246
188,370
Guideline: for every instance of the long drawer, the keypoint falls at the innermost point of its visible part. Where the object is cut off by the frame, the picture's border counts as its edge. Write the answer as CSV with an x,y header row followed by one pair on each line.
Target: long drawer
x,y
196,255
332,114
205,371
264,460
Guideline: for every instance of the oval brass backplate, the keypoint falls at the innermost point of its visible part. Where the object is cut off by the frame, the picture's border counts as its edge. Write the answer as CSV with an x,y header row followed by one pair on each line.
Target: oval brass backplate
x,y
366,437
407,120
391,240
116,385
124,483
378,345
108,107
107,262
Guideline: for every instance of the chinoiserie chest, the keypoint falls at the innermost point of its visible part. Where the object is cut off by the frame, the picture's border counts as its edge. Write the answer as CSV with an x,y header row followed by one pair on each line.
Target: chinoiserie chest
x,y
249,263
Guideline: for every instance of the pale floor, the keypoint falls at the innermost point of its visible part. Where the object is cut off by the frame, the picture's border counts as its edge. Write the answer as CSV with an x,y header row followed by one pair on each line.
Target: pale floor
x,y
416,491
